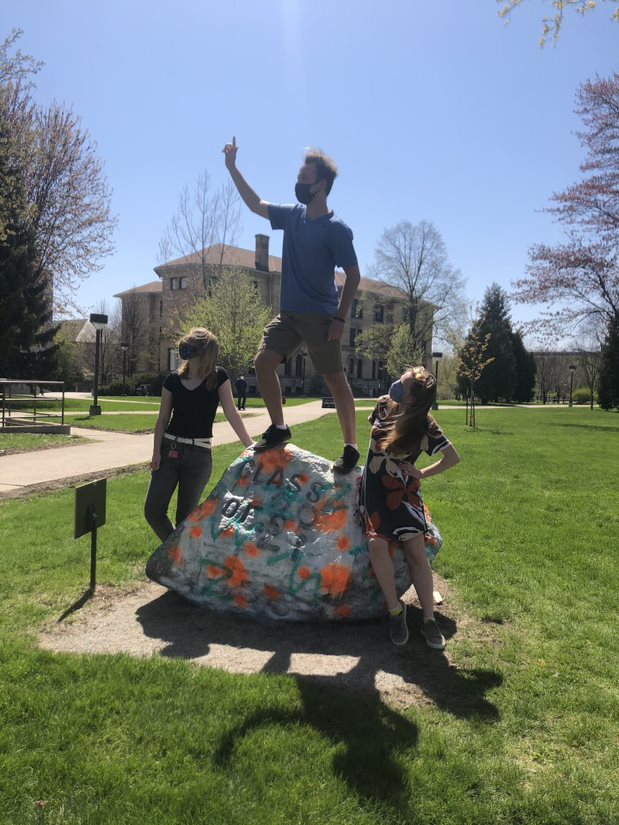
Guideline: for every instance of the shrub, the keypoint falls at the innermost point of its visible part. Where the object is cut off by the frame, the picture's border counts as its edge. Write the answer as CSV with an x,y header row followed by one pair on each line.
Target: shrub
x,y
582,396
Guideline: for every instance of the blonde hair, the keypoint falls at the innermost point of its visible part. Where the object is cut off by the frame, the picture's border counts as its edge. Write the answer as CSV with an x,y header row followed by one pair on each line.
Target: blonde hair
x,y
209,352
412,423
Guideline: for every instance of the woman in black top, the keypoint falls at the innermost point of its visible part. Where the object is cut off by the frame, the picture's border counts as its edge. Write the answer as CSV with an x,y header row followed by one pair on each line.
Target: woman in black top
x,y
182,448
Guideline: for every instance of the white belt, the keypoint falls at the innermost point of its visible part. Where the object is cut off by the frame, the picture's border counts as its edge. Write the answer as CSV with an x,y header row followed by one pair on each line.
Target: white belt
x,y
197,442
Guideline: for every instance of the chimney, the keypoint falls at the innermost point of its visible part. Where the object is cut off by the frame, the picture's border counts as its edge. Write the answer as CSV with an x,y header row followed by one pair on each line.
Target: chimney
x,y
262,253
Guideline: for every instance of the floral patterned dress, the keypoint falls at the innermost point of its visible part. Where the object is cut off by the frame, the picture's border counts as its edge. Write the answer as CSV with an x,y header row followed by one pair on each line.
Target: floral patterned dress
x,y
391,502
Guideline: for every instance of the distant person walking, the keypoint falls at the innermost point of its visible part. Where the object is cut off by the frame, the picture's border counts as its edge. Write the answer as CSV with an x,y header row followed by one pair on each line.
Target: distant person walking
x,y
182,447
241,392
391,501
316,241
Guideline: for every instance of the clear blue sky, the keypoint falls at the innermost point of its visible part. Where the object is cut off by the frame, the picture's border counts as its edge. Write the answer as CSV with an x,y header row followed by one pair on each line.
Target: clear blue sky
x,y
433,110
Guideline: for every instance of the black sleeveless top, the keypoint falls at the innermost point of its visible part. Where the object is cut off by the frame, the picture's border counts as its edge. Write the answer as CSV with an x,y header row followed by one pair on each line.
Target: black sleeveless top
x,y
193,411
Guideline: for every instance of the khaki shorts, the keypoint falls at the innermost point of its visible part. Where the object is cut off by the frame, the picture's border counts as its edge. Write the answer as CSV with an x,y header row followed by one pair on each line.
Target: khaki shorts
x,y
289,329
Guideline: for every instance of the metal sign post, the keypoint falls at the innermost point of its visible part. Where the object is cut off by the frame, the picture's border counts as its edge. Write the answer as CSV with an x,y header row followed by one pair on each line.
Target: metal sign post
x,y
90,500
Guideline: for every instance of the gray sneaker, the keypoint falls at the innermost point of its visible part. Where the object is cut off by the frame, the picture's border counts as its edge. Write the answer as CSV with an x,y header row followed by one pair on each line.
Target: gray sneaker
x,y
433,636
398,629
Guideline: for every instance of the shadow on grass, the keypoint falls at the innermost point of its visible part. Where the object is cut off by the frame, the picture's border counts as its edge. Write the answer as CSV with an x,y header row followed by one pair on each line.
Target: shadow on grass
x,y
83,599
340,699
369,736
190,632
609,430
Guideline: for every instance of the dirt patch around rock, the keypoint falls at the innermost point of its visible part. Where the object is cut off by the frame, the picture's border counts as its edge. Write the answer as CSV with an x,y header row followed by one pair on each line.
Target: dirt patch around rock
x,y
149,620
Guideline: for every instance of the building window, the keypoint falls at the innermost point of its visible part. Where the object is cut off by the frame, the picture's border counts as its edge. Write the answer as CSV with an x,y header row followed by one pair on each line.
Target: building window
x,y
173,283
288,368
182,282
406,315
173,359
373,370
360,368
298,367
160,309
351,367
353,336
357,309
379,312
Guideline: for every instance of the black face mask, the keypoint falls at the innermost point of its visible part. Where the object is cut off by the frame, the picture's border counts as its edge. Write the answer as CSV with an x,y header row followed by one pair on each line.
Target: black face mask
x,y
303,194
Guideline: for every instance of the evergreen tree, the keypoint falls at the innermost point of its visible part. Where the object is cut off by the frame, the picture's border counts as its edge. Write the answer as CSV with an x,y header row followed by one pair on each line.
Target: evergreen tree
x,y
525,370
26,331
499,379
608,391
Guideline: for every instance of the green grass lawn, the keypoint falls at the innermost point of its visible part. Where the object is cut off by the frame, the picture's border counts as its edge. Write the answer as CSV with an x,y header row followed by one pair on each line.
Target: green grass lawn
x,y
125,423
24,442
530,523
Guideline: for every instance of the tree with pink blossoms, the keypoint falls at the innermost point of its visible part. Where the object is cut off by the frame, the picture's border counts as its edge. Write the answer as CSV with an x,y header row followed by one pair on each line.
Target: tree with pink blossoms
x,y
578,280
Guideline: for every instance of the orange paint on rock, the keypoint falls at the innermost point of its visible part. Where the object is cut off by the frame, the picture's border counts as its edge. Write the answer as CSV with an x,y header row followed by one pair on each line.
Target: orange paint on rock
x,y
204,510
344,611
215,572
228,533
304,573
335,579
238,569
195,532
175,555
332,522
252,549
344,544
272,593
292,526
241,601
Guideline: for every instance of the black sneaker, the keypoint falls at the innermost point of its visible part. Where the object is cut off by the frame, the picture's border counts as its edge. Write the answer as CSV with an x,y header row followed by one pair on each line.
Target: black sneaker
x,y
348,460
398,629
273,437
432,634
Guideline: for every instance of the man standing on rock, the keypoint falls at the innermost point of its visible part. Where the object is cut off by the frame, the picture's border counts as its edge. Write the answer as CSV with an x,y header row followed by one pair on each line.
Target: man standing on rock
x,y
316,241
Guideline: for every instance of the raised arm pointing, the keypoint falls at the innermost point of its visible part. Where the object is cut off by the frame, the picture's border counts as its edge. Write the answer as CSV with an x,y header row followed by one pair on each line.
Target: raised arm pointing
x,y
252,200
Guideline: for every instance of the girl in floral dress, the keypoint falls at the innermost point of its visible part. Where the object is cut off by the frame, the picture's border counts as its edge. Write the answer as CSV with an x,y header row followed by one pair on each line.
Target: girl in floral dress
x,y
391,500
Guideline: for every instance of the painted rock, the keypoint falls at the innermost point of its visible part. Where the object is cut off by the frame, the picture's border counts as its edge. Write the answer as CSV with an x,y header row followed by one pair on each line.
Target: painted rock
x,y
279,537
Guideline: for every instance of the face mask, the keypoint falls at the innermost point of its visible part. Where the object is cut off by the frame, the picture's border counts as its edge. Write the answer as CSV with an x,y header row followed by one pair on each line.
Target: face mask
x,y
303,194
187,351
396,391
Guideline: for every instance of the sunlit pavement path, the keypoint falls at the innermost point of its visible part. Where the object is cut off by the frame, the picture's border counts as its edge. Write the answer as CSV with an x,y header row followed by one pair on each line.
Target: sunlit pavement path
x,y
110,451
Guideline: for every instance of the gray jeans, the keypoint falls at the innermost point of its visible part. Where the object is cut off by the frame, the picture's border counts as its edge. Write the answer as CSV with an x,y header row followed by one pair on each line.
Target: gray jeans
x,y
190,472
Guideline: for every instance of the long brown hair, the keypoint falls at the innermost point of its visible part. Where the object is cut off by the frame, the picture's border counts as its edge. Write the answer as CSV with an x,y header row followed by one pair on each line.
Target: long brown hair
x,y
412,423
209,352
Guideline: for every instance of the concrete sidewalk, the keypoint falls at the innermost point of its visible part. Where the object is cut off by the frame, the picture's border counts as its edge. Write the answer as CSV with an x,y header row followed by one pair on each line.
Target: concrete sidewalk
x,y
111,451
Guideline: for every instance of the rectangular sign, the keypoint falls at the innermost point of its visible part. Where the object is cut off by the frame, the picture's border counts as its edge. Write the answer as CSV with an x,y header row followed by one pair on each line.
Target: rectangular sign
x,y
328,402
89,498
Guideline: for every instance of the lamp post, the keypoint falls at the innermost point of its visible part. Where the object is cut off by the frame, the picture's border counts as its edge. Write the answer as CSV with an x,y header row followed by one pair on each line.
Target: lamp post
x,y
99,322
437,357
572,370
124,347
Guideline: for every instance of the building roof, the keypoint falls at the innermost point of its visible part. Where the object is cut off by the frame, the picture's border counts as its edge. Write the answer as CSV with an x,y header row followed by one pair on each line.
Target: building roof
x,y
235,256
232,256
152,286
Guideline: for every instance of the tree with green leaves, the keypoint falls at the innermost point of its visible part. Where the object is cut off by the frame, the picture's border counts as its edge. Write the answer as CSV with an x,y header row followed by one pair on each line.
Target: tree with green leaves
x,y
404,351
608,380
236,314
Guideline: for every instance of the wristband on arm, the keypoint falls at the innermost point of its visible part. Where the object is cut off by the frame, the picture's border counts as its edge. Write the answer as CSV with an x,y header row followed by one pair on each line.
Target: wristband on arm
x,y
337,318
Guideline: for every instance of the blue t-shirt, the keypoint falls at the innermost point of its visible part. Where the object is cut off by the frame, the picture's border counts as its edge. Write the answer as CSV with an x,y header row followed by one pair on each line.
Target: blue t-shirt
x,y
312,250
